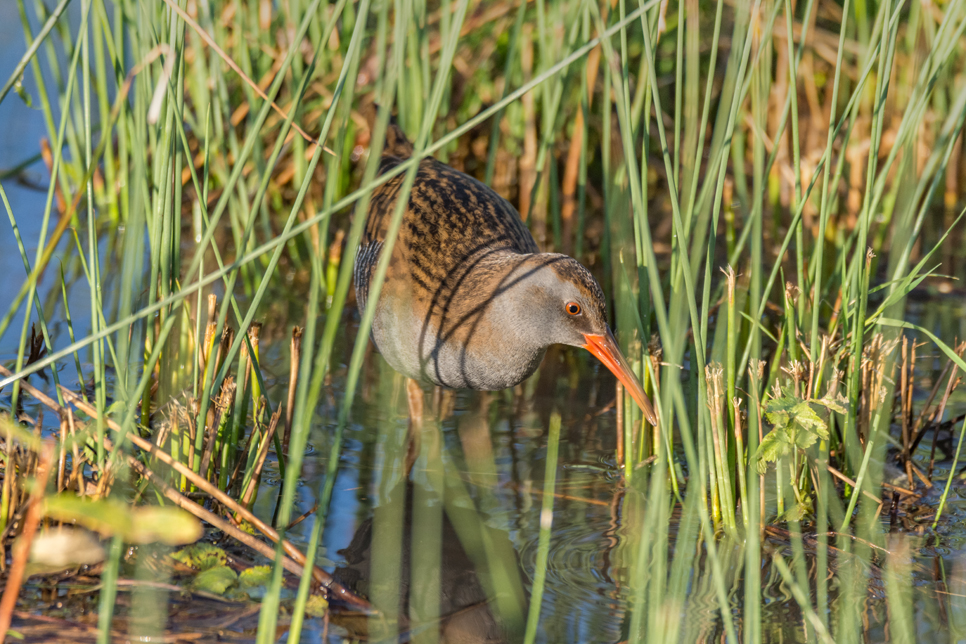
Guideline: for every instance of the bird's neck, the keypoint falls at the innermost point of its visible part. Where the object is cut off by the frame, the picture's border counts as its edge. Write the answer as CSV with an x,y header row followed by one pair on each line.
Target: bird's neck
x,y
487,317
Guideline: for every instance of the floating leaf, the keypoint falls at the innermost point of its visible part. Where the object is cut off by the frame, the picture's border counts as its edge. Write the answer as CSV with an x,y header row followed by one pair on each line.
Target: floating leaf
x,y
255,576
201,556
216,579
316,606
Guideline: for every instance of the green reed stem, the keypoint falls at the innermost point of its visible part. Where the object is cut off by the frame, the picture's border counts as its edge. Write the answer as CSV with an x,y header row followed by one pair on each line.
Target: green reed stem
x,y
546,522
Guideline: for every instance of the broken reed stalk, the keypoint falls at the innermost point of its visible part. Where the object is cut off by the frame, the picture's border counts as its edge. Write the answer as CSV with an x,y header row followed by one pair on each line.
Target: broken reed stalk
x,y
256,475
905,406
62,455
208,347
251,364
216,430
293,378
236,479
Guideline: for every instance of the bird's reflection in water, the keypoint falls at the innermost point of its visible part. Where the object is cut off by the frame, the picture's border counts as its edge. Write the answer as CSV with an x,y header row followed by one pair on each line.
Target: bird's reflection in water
x,y
474,583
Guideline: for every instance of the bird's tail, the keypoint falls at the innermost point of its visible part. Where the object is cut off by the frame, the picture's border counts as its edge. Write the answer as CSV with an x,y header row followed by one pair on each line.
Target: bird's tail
x,y
397,145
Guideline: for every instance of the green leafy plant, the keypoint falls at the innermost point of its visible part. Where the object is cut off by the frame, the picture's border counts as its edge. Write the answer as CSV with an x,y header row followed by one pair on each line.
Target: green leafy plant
x,y
797,424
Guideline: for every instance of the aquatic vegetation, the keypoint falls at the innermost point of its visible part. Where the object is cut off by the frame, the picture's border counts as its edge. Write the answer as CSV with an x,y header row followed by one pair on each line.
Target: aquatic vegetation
x,y
766,192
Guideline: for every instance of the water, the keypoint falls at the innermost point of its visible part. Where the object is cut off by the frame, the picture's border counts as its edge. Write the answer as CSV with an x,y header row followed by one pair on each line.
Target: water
x,y
19,141
596,518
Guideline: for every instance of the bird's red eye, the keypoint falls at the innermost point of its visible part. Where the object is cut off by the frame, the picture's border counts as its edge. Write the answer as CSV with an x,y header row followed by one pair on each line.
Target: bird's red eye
x,y
573,308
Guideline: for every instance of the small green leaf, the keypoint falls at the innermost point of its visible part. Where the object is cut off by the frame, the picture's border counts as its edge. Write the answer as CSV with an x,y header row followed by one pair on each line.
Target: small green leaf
x,y
255,576
778,411
216,580
806,418
805,439
316,606
833,403
773,446
797,512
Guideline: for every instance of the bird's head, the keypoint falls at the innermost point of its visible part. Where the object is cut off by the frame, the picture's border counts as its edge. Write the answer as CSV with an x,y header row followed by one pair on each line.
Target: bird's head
x,y
566,305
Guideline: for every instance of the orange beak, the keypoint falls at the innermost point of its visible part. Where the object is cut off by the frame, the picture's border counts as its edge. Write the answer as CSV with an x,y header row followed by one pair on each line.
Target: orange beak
x,y
606,349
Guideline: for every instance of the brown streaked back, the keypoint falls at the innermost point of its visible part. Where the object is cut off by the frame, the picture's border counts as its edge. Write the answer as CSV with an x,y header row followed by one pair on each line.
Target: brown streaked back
x,y
450,218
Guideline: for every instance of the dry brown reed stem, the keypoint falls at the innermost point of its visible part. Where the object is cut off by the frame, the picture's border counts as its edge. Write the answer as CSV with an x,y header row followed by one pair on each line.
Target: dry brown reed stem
x,y
837,474
234,66
907,414
202,484
77,470
293,379
227,338
888,486
223,406
260,461
302,517
48,158
905,404
22,548
62,455
572,166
